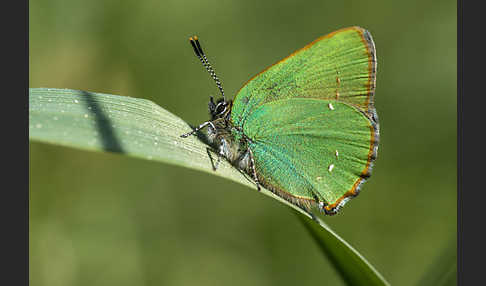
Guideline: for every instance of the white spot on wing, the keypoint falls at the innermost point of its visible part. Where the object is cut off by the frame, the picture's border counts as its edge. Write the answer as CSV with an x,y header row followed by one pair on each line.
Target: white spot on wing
x,y
337,154
331,167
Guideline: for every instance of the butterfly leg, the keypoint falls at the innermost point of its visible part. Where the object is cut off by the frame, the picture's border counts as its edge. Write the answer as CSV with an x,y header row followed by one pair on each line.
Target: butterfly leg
x,y
222,148
211,150
220,154
215,166
185,135
252,160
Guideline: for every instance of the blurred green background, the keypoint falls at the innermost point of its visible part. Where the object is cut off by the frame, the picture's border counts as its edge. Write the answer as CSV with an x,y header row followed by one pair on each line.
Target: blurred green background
x,y
104,219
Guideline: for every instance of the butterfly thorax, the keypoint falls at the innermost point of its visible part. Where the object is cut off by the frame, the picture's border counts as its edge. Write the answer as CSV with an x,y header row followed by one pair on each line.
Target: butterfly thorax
x,y
228,139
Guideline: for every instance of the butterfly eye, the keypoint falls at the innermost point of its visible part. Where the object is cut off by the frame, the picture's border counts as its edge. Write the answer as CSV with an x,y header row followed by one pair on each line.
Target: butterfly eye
x,y
221,108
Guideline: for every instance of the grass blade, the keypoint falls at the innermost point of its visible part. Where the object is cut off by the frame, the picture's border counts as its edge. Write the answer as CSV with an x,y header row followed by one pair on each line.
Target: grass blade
x,y
351,265
140,128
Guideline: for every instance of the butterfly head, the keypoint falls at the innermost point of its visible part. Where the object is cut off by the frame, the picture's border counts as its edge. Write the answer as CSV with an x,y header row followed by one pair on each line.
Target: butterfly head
x,y
219,109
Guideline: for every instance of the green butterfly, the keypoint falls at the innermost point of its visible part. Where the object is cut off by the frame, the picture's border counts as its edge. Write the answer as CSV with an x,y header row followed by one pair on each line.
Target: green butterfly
x,y
306,127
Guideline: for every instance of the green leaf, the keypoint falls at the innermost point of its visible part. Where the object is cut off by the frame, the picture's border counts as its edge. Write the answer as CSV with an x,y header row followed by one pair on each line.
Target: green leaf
x,y
351,265
140,128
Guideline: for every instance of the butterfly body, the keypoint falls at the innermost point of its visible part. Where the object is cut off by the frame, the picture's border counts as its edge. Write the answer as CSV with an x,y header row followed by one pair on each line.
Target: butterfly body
x,y
306,127
228,139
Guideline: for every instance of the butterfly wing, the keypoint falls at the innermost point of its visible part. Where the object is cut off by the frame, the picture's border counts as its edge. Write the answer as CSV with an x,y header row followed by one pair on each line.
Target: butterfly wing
x,y
319,151
305,109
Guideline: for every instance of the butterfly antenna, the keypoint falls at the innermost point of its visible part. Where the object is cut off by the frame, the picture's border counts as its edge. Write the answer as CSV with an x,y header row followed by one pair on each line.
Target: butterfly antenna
x,y
204,60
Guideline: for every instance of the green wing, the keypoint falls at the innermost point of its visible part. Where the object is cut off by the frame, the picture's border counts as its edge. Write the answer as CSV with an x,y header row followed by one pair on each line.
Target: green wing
x,y
311,120
340,66
320,149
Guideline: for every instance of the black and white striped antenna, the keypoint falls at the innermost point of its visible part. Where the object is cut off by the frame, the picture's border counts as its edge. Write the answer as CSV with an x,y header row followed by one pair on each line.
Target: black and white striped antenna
x,y
204,60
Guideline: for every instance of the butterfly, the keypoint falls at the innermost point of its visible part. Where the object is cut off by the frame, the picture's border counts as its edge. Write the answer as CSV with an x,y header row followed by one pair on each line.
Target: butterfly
x,y
306,127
